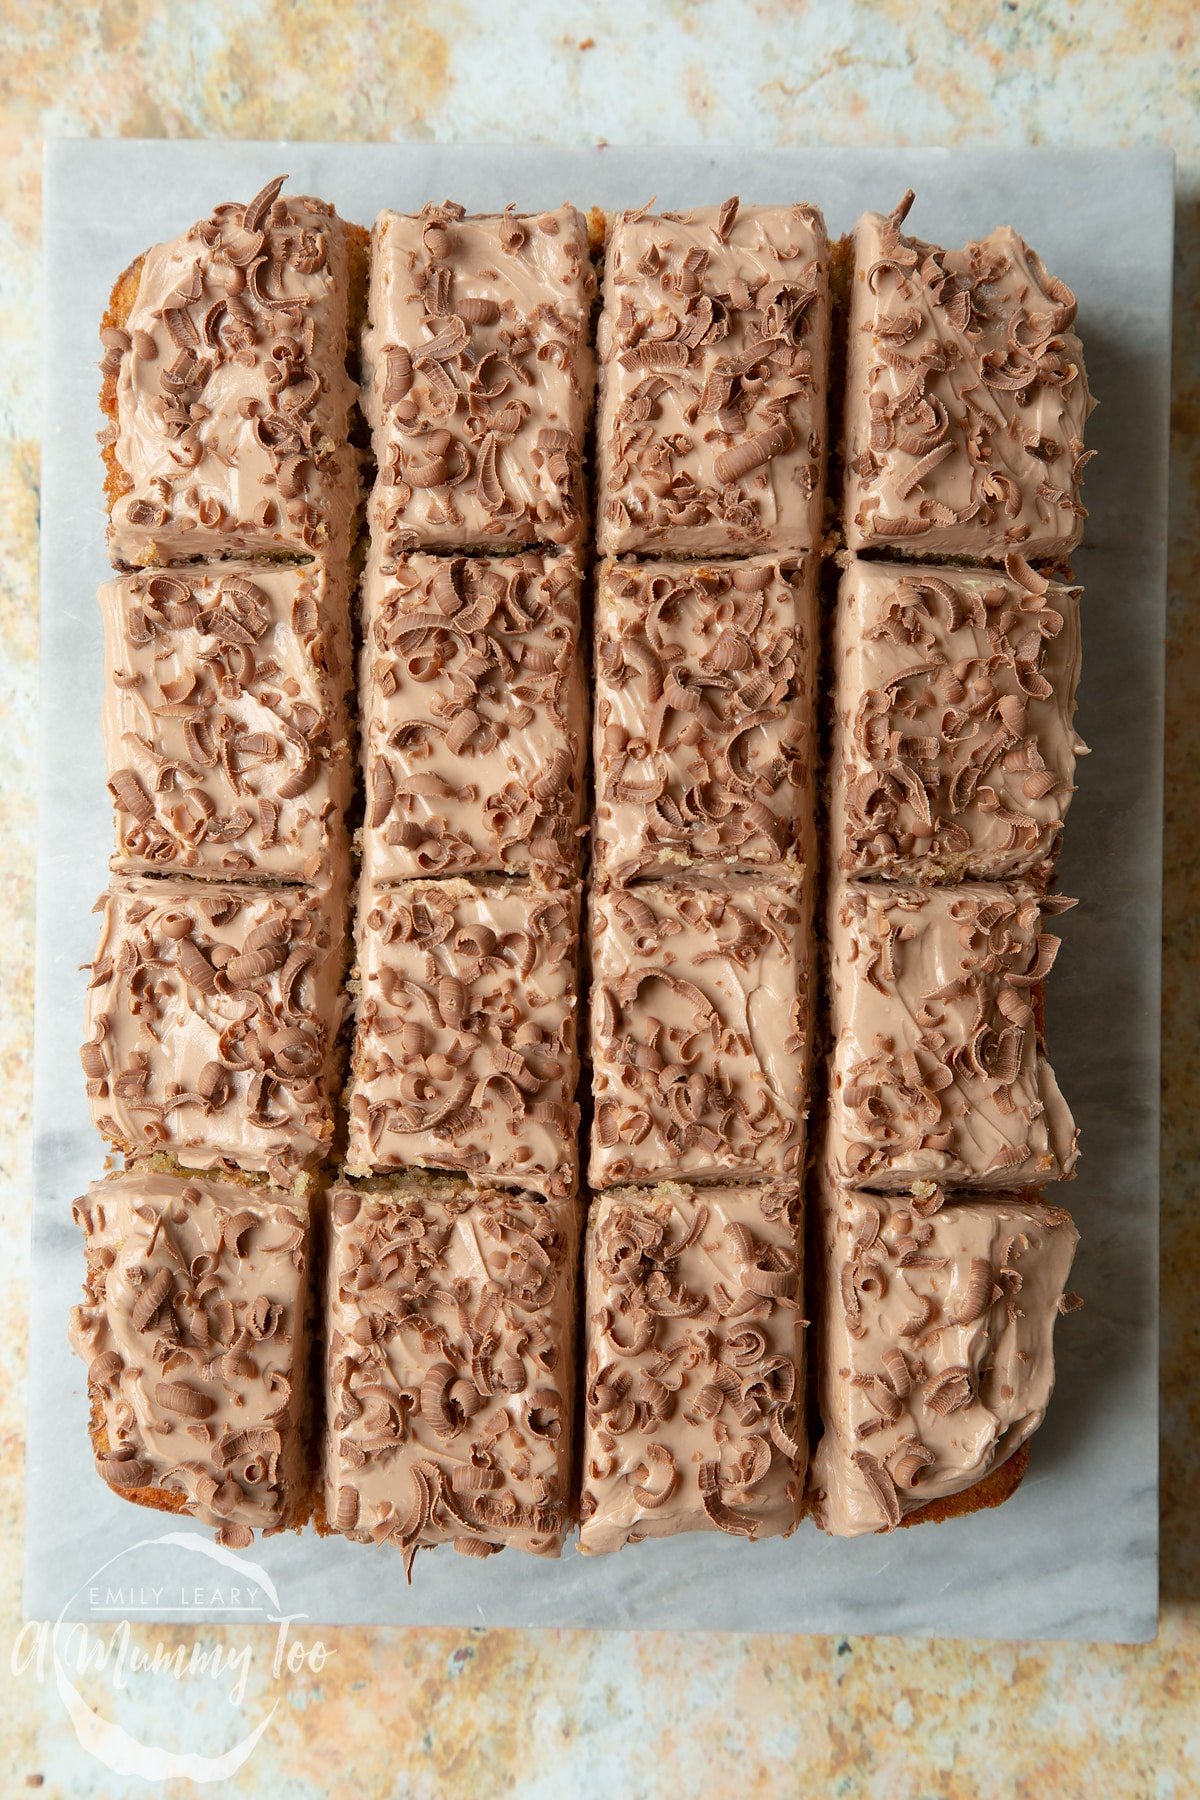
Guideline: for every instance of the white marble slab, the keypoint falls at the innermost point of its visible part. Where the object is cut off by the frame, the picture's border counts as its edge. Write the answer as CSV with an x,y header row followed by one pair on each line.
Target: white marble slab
x,y
1074,1554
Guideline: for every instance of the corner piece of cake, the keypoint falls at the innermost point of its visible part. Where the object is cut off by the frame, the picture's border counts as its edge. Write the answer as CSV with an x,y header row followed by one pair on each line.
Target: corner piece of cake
x,y
213,1014
478,377
713,348
226,385
954,749
465,1052
966,399
704,729
939,1072
195,1334
694,1375
701,1031
450,1366
474,718
225,724
936,1346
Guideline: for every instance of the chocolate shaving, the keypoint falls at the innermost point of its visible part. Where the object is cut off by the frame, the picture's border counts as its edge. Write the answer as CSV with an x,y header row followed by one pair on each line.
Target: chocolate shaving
x,y
978,1297
725,1518
255,213
753,452
881,1485
178,1397
726,218
478,311
950,1391
129,795
151,1300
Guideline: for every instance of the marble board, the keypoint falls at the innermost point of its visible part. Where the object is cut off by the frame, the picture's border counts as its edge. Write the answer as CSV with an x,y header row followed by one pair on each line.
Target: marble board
x,y
1074,1553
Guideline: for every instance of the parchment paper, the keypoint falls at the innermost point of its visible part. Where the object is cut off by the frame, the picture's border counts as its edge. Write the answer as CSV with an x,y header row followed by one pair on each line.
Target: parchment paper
x,y
1074,1554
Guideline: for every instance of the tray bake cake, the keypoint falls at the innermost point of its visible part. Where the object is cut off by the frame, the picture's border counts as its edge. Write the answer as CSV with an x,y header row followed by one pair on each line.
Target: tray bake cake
x,y
377,1258
226,386
473,707
195,1329
450,1365
705,677
694,1375
965,399
953,748
465,1045
936,1362
214,1015
225,719
477,378
713,353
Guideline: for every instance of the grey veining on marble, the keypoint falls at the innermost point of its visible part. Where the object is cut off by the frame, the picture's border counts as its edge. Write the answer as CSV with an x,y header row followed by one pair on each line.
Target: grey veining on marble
x,y
1074,1553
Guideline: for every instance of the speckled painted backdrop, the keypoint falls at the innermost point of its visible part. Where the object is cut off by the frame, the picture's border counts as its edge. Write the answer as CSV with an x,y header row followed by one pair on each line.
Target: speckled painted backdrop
x,y
488,1713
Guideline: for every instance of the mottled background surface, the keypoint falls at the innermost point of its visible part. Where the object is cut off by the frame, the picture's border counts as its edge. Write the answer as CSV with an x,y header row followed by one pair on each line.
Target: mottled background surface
x,y
442,1712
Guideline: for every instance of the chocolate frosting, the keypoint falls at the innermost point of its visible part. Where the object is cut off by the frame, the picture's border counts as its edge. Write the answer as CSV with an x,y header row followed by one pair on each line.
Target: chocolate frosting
x,y
713,347
450,1367
465,1052
478,378
195,1338
212,1017
225,723
233,398
953,744
474,717
966,398
937,1069
937,1357
694,1380
700,1030
704,716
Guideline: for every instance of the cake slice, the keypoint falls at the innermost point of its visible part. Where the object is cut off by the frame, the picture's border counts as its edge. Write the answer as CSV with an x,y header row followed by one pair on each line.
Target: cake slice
x,y
465,1052
701,1031
966,399
474,718
225,724
478,378
937,1359
195,1333
213,1018
704,730
225,382
953,744
450,1366
694,1373
713,348
939,1072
